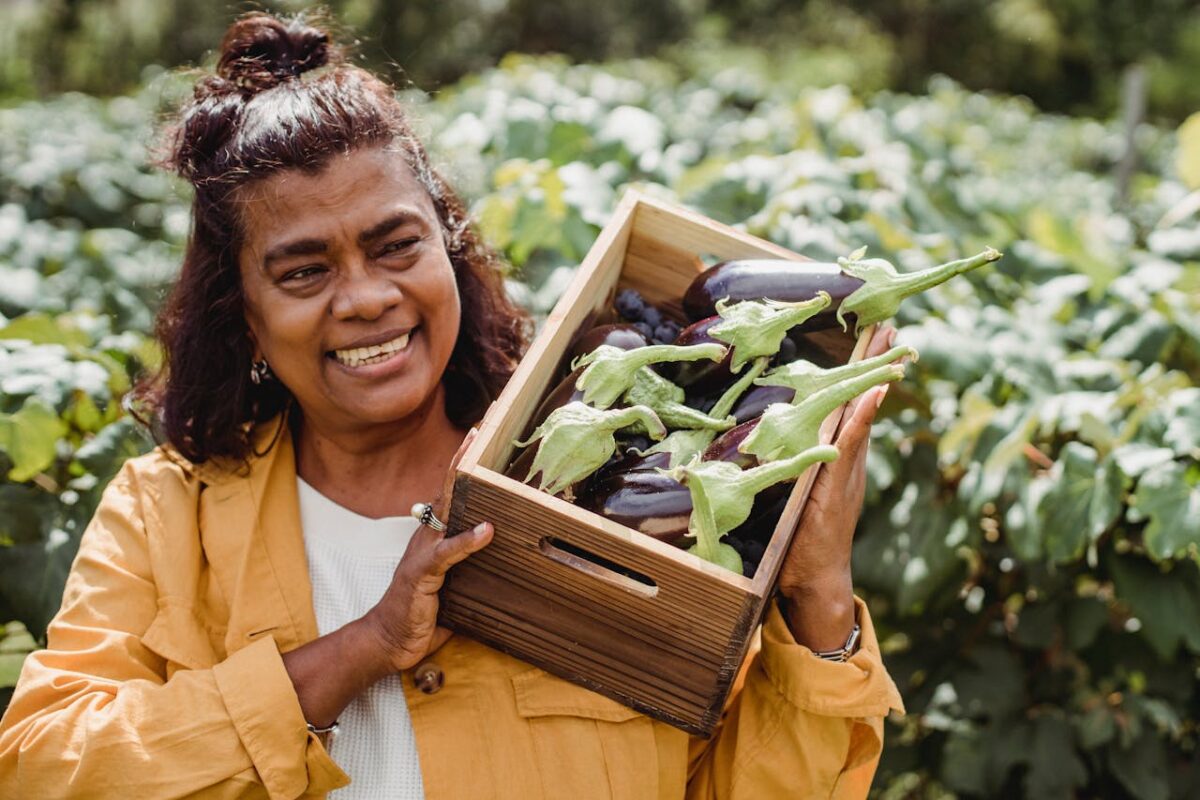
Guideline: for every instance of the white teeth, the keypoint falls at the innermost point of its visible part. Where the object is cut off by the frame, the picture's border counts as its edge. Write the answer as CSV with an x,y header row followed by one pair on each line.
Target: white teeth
x,y
361,356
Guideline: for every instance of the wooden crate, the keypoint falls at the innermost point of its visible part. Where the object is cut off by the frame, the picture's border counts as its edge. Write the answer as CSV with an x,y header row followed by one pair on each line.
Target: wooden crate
x,y
578,595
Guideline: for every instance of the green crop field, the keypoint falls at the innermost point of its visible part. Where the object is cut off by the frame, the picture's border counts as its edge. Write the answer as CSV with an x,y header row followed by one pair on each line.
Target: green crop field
x,y
1030,543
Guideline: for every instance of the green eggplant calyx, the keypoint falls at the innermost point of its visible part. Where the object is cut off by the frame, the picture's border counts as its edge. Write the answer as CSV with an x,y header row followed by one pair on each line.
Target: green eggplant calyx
x,y
702,525
884,288
653,390
785,429
611,371
756,328
575,440
729,491
807,378
728,400
683,444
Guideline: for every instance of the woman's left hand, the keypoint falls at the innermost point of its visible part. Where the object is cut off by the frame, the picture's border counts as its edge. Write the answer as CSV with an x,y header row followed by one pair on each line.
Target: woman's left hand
x,y
815,578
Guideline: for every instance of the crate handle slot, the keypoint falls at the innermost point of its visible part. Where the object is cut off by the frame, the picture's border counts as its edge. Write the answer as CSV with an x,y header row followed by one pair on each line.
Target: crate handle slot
x,y
576,557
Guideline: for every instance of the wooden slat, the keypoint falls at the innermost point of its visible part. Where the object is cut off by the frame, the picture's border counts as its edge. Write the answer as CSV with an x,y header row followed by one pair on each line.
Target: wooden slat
x,y
693,596
587,294
694,233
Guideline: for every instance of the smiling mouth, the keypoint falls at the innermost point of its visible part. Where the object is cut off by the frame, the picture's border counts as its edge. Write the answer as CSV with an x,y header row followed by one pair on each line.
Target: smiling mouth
x,y
363,356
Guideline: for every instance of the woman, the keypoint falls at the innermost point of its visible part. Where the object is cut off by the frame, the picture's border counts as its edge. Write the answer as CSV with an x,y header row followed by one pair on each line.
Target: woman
x,y
336,329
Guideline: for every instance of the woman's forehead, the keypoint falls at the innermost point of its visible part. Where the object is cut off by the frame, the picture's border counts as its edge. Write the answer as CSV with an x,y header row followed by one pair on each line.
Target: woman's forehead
x,y
351,190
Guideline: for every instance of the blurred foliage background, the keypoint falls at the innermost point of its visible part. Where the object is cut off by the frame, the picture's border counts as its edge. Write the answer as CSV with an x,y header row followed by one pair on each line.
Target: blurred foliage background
x,y
1067,55
1031,541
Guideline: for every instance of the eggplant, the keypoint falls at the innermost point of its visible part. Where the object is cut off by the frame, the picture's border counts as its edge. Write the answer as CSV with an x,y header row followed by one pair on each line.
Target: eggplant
x,y
623,335
755,401
725,447
645,500
700,377
863,290
776,279
632,460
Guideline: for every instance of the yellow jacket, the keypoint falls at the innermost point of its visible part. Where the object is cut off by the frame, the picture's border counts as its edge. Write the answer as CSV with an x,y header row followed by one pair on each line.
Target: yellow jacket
x,y
163,678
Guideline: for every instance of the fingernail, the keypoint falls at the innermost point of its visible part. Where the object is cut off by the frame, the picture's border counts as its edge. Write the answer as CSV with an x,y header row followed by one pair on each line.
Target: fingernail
x,y
879,395
480,529
891,337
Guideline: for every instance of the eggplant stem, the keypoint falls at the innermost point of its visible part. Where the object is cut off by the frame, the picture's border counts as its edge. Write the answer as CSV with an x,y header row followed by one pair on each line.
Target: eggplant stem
x,y
805,418
729,399
764,476
916,282
816,379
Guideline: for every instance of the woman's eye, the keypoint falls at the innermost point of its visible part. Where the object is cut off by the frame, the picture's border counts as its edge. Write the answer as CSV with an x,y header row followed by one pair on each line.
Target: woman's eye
x,y
399,246
301,274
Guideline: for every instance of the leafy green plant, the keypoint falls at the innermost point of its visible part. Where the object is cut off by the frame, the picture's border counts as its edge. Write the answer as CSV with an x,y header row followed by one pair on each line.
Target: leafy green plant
x,y
1029,549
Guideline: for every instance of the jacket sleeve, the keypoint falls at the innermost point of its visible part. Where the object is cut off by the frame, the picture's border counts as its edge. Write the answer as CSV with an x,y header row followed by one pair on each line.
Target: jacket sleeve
x,y
95,714
799,726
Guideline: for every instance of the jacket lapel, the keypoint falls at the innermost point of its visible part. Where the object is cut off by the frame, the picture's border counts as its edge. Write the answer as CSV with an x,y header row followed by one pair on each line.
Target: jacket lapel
x,y
250,527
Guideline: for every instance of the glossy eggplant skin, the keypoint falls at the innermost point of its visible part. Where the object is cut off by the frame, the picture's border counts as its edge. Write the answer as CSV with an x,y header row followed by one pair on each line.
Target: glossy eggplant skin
x,y
622,335
700,377
756,400
725,446
645,500
777,279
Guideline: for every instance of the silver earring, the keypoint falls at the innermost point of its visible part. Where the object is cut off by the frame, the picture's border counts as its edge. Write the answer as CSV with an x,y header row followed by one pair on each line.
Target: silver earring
x,y
260,371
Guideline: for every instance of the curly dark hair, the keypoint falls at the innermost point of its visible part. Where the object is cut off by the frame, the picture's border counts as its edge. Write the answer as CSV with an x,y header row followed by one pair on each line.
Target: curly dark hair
x,y
266,110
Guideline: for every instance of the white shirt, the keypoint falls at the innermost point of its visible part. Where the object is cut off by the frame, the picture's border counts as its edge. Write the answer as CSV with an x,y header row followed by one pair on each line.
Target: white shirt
x,y
351,559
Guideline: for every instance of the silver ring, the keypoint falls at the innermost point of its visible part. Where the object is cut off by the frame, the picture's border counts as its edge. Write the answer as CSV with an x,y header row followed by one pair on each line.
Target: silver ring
x,y
424,513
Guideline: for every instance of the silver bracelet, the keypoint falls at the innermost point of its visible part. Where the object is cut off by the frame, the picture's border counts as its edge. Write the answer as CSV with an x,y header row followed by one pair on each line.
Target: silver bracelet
x,y
845,651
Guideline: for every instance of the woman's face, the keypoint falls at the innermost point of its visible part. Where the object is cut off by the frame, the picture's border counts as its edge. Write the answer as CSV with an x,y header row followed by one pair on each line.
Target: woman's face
x,y
350,294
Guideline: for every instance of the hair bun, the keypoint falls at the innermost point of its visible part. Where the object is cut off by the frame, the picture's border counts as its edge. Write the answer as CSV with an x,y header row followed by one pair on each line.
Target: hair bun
x,y
260,51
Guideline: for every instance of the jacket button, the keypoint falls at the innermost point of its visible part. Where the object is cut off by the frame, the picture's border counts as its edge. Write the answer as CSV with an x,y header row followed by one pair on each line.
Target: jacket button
x,y
429,677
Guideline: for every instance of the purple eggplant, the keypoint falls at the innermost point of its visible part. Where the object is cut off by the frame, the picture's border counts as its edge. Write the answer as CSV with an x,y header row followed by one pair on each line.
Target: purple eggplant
x,y
862,291
777,279
725,446
645,500
699,377
623,335
756,400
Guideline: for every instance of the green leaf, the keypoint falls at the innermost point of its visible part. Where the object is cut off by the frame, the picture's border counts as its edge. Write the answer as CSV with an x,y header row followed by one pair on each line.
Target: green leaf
x,y
30,437
10,669
1183,429
1187,157
42,329
16,639
994,684
1096,727
964,762
1036,625
1084,501
1055,769
1166,603
1141,768
1166,497
1084,619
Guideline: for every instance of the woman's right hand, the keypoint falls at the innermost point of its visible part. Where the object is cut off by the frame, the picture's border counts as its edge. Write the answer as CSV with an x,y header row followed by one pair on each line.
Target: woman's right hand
x,y
405,618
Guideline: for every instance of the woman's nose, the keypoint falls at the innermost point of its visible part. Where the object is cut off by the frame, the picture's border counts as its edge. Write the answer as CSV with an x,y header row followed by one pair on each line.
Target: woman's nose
x,y
364,294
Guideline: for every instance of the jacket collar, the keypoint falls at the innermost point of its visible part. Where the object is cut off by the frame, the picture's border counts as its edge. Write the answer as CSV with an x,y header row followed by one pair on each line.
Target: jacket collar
x,y
251,532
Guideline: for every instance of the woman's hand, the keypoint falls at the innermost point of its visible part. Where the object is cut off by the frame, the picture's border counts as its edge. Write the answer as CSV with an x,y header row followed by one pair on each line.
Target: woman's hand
x,y
405,619
815,578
